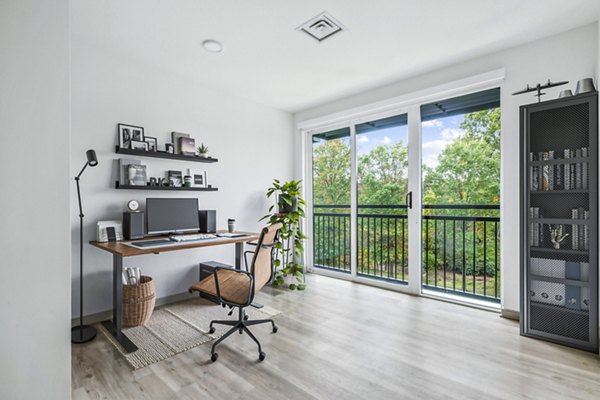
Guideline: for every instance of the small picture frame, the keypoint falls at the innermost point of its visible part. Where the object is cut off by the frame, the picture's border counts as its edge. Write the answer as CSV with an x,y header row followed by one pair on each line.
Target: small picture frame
x,y
152,143
175,178
137,145
126,133
198,178
169,148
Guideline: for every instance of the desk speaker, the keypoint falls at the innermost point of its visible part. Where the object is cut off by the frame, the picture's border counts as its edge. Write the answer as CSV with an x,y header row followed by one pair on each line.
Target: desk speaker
x,y
133,225
208,221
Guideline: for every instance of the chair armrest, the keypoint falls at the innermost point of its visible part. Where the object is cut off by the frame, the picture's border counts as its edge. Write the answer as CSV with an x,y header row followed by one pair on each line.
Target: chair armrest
x,y
246,258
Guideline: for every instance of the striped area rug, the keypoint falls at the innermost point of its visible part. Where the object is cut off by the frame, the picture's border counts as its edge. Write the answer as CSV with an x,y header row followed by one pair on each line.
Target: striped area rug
x,y
178,327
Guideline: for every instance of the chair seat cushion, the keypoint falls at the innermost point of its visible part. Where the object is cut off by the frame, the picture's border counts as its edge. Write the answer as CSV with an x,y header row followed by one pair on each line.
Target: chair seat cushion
x,y
233,285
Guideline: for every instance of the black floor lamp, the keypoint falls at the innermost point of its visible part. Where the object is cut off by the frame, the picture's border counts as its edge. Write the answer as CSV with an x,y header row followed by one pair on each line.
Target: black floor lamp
x,y
82,333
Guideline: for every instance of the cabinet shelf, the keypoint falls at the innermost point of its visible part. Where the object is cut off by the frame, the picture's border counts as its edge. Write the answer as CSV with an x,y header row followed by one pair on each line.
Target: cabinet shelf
x,y
571,191
570,282
573,160
559,308
182,188
160,154
560,221
558,251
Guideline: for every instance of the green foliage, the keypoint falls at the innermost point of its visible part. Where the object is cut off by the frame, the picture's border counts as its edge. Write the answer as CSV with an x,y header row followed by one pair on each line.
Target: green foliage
x,y
202,149
382,175
290,244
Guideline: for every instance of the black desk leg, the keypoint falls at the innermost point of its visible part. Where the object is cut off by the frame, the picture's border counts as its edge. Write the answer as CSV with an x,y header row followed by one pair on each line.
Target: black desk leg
x,y
239,254
115,326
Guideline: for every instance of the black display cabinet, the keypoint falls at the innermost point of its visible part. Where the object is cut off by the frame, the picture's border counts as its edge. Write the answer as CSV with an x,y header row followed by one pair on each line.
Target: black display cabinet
x,y
559,221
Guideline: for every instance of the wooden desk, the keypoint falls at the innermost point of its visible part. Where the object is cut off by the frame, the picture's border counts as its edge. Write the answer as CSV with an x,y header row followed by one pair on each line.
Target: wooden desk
x,y
120,250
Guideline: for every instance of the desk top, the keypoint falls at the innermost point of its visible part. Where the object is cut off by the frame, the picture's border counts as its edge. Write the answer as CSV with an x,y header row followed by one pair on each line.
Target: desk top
x,y
121,249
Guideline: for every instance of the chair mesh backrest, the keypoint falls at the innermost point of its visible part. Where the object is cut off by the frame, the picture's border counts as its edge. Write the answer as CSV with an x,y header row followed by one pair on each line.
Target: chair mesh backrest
x,y
262,260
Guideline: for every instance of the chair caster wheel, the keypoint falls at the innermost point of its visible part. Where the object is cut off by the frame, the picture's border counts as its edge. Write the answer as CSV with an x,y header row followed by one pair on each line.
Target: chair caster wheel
x,y
212,330
261,355
275,328
245,318
214,357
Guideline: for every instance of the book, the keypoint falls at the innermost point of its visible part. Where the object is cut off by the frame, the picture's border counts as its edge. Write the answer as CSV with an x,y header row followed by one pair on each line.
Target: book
x,y
586,231
578,170
550,170
566,171
545,173
584,169
574,231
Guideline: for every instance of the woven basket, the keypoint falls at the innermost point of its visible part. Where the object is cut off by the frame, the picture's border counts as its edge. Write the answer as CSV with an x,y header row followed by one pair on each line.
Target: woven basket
x,y
138,302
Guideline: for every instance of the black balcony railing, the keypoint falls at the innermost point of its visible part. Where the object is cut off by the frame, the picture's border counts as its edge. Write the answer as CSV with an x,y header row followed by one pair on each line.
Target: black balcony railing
x,y
460,245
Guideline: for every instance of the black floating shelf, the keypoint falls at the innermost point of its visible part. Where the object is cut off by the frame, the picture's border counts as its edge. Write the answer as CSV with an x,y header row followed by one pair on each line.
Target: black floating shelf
x,y
161,154
182,188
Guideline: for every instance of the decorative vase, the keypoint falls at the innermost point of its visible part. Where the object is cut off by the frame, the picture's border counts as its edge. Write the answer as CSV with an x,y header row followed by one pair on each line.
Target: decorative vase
x,y
284,207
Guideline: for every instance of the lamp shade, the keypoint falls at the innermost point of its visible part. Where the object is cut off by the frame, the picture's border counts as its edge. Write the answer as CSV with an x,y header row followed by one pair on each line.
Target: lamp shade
x,y
91,158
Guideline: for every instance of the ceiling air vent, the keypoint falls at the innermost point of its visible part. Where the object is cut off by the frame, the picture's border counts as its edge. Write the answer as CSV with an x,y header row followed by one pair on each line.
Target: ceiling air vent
x,y
321,27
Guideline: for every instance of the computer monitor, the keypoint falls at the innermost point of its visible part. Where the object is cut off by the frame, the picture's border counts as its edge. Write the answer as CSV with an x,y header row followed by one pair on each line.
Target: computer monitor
x,y
171,215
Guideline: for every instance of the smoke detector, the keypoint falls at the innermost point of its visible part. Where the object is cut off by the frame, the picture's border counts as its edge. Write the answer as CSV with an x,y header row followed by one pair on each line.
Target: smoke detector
x,y
321,27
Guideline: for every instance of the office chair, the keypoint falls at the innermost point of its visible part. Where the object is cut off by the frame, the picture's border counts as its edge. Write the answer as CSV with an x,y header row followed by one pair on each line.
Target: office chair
x,y
236,288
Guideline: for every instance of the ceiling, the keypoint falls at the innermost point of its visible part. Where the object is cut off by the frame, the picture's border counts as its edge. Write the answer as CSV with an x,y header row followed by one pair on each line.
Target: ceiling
x,y
265,59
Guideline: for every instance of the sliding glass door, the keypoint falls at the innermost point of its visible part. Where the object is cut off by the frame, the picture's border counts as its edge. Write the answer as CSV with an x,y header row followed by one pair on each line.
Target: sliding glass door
x,y
382,192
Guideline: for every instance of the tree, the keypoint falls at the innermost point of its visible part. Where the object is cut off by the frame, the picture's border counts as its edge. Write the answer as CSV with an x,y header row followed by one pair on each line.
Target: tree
x,y
383,175
331,172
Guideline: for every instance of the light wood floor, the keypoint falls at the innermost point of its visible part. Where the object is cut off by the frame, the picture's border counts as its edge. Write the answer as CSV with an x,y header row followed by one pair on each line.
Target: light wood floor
x,y
340,340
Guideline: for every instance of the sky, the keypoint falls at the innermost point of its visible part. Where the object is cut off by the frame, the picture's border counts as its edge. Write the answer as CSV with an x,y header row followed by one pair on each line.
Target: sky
x,y
436,135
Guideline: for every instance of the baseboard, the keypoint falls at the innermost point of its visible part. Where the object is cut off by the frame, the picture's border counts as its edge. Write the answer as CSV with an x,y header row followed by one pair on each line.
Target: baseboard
x,y
510,314
104,315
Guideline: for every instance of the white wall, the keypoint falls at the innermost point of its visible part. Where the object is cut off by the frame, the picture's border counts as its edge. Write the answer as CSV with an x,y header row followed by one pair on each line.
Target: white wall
x,y
34,202
252,142
568,56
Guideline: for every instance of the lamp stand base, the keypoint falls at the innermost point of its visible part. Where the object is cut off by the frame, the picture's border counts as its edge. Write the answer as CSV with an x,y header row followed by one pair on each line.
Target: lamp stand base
x,y
82,334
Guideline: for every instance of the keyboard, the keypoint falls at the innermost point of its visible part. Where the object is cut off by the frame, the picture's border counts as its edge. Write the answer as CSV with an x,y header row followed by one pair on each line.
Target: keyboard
x,y
191,238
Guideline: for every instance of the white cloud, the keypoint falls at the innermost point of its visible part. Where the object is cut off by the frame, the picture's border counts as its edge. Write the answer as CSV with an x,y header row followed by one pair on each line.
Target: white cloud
x,y
386,140
434,123
362,139
452,133
431,151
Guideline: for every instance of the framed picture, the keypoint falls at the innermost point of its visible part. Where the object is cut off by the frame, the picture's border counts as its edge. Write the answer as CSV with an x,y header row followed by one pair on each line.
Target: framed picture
x,y
152,143
175,178
169,148
198,177
187,146
127,133
139,145
175,139
136,175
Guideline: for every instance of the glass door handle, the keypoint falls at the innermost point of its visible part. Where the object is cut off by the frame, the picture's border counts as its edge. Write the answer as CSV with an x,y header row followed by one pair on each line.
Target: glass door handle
x,y
409,199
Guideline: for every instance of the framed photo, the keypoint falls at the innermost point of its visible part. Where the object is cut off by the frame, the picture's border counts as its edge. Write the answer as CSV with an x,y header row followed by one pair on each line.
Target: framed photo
x,y
152,143
169,148
175,178
198,177
127,133
175,136
136,175
138,145
187,146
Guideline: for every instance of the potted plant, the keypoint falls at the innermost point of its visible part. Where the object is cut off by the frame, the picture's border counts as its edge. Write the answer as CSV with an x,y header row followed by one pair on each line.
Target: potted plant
x,y
202,150
290,243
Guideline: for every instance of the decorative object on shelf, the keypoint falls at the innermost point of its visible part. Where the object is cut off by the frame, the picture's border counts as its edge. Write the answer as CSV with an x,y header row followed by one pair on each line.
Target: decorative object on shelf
x,y
198,177
202,150
187,146
557,236
175,178
231,225
152,143
133,206
187,181
107,230
152,181
169,148
175,136
124,164
82,333
290,242
585,85
137,145
565,93
539,87
137,175
127,133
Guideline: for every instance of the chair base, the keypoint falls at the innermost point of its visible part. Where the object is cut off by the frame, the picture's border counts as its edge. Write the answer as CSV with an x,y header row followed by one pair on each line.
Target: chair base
x,y
241,325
